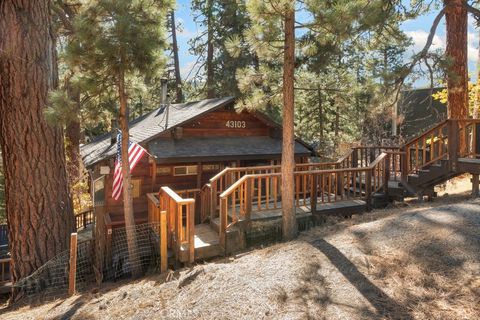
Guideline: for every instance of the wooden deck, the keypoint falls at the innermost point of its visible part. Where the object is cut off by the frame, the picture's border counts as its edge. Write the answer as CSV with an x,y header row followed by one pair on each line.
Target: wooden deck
x,y
340,207
469,165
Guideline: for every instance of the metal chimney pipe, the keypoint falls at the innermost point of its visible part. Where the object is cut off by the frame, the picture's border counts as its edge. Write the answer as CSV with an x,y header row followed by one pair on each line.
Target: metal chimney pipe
x,y
165,100
164,81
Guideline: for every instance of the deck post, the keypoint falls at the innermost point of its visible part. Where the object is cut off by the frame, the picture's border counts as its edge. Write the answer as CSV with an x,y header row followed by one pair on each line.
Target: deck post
x,y
72,276
223,221
339,185
387,172
313,196
213,202
163,241
475,185
452,132
404,164
355,158
368,189
191,231
248,199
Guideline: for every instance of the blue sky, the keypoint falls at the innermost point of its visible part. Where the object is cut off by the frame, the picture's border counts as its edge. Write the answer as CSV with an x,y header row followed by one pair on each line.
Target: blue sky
x,y
417,29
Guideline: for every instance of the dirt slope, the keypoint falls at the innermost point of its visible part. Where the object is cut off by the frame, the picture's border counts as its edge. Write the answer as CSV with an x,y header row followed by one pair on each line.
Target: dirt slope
x,y
420,262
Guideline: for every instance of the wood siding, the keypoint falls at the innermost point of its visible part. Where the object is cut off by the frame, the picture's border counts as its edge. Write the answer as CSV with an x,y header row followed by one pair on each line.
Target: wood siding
x,y
209,125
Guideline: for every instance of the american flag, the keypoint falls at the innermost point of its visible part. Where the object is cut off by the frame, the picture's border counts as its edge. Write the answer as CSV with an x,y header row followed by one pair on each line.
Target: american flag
x,y
135,153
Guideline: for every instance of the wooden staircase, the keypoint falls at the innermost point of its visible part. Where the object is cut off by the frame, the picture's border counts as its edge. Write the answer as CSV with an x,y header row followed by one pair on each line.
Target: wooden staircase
x,y
365,177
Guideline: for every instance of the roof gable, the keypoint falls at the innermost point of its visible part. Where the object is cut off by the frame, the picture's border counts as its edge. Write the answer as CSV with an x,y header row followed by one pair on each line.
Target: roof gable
x,y
150,125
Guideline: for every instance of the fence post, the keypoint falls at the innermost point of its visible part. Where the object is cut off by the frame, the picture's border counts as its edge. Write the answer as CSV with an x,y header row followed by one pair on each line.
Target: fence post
x,y
163,241
73,264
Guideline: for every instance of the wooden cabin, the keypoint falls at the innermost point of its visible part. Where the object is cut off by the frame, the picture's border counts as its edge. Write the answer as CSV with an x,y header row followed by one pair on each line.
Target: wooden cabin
x,y
189,143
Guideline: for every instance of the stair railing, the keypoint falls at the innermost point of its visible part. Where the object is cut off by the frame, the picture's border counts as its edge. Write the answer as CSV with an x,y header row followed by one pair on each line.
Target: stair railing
x,y
428,148
469,138
176,216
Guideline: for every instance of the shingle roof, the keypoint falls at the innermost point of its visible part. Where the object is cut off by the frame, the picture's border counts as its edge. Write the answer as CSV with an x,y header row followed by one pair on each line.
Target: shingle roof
x,y
149,125
228,147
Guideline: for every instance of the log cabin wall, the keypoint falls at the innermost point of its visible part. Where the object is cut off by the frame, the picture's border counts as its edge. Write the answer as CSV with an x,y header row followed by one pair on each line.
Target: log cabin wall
x,y
150,174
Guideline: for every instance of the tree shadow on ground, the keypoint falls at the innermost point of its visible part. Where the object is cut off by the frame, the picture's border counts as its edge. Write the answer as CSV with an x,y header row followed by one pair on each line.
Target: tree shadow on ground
x,y
383,304
427,257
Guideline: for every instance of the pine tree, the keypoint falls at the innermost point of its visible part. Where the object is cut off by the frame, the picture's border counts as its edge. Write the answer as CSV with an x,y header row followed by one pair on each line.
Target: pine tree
x,y
176,61
337,33
219,22
115,40
38,204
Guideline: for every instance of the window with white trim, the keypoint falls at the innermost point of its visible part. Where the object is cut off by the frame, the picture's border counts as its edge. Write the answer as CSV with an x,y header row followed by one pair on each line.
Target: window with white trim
x,y
185,171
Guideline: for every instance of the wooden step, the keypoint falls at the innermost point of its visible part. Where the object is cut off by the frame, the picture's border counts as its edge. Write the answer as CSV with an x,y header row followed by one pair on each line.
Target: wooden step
x,y
207,244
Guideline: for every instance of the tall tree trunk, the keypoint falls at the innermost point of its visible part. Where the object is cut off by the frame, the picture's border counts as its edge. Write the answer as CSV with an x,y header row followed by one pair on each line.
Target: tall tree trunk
x,y
210,72
289,220
72,135
176,61
476,105
127,181
320,114
457,78
38,204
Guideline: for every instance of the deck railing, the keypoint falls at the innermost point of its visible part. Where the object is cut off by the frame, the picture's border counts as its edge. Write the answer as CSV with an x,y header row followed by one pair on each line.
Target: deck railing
x,y
254,193
175,217
84,218
428,148
228,176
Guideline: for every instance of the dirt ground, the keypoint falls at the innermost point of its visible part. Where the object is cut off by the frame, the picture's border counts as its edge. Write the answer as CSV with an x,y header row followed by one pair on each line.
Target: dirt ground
x,y
411,261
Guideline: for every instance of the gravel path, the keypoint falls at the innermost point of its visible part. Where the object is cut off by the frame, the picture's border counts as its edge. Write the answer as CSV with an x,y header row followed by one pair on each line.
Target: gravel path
x,y
419,262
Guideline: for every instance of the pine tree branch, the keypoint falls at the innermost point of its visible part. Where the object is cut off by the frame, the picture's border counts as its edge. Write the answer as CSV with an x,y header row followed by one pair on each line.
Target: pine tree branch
x,y
419,56
474,11
67,24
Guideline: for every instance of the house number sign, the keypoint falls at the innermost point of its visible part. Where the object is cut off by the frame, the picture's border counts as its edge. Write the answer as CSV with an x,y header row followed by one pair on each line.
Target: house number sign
x,y
236,124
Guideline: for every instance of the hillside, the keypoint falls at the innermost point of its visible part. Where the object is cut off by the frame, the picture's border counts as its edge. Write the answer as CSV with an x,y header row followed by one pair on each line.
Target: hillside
x,y
414,262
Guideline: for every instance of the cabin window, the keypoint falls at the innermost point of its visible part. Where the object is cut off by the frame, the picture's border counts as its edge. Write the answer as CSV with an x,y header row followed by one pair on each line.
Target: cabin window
x,y
136,187
99,191
164,171
211,167
185,171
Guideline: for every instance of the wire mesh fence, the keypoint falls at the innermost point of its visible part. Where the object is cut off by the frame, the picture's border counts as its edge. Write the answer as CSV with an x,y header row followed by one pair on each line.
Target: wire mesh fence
x,y
52,279
121,264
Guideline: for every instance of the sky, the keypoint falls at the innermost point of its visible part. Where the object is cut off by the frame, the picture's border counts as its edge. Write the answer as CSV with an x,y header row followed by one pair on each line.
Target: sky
x,y
417,29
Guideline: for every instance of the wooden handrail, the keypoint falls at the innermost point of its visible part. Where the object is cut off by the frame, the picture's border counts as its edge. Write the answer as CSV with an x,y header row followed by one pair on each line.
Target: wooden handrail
x,y
425,133
153,198
377,160
172,194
